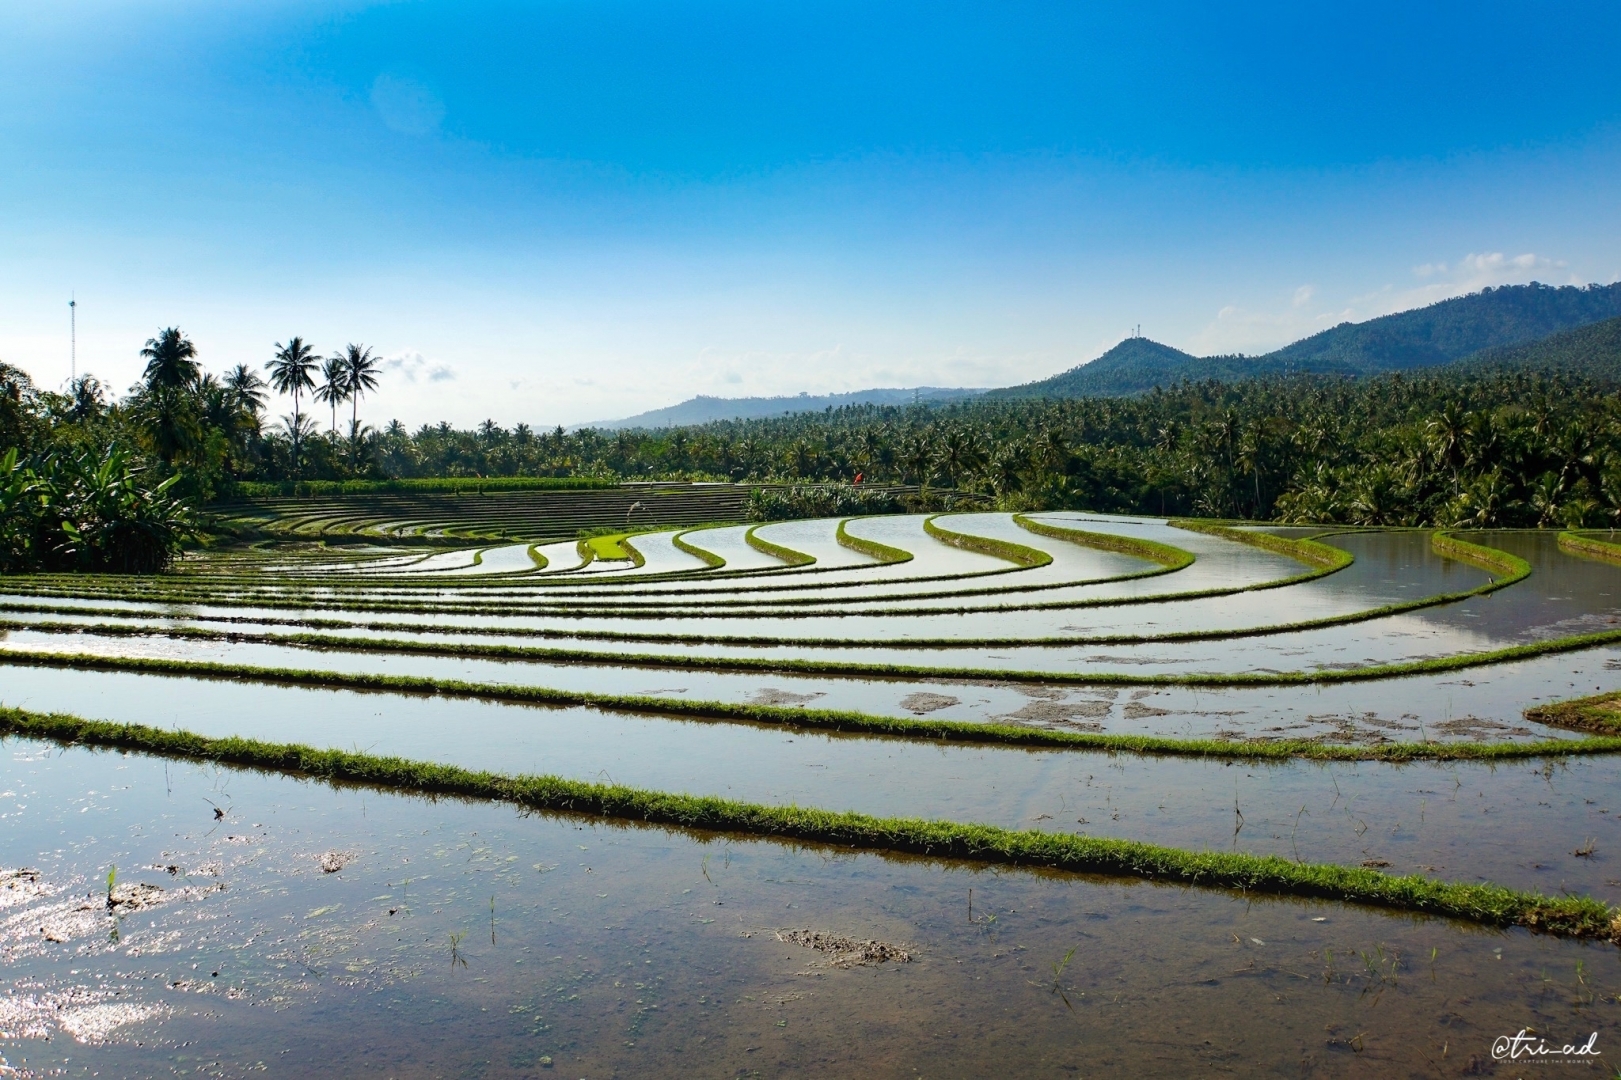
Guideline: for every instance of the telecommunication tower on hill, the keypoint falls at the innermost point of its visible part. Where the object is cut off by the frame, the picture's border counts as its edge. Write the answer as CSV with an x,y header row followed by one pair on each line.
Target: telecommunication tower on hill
x,y
73,337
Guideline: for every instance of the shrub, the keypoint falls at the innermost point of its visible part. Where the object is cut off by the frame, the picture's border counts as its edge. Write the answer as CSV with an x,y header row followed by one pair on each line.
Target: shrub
x,y
818,500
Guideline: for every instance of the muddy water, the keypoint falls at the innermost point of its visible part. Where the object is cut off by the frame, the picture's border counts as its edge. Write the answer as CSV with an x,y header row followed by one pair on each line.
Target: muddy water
x,y
616,951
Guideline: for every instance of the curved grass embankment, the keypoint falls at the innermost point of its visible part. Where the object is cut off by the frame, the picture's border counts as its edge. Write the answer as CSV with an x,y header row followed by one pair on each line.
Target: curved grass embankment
x,y
709,558
1485,904
1169,558
1590,547
776,551
1511,568
826,720
884,553
1325,557
1025,557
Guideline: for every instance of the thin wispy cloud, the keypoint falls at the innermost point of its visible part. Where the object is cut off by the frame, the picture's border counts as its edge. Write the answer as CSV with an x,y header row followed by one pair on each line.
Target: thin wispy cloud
x,y
413,367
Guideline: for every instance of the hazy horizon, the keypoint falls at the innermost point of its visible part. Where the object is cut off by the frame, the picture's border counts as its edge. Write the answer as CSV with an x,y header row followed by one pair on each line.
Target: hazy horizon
x,y
565,213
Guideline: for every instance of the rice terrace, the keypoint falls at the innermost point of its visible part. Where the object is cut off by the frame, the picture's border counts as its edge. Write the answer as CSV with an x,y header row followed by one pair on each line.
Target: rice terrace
x,y
1107,769
630,540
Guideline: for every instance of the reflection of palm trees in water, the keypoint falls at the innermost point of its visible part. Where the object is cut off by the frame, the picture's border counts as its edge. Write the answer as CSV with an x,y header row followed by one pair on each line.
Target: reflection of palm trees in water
x,y
635,506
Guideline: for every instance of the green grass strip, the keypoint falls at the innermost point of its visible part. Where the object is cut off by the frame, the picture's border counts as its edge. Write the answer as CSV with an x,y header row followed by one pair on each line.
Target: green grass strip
x,y
786,554
1490,905
1170,558
1590,547
709,558
871,548
1018,554
1512,568
540,561
1325,557
814,719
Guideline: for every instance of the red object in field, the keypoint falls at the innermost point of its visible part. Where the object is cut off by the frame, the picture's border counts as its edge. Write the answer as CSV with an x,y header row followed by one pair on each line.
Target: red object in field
x,y
858,478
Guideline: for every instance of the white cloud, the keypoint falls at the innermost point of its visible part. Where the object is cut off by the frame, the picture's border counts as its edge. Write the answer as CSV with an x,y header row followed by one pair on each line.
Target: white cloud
x,y
406,106
1303,295
412,366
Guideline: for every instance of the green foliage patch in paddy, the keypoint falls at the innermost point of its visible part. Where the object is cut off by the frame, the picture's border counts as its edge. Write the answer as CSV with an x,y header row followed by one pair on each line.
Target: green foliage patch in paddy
x,y
1600,713
1491,905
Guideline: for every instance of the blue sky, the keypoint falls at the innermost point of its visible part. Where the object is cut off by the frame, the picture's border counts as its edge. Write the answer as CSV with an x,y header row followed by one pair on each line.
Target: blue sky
x,y
554,212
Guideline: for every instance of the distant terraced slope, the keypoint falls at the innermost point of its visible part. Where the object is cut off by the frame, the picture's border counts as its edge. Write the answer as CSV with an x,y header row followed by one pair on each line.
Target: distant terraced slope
x,y
501,515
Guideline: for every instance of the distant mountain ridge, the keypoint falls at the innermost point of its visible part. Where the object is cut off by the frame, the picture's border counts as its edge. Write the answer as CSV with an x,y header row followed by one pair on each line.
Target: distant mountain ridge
x,y
1572,328
704,409
1424,337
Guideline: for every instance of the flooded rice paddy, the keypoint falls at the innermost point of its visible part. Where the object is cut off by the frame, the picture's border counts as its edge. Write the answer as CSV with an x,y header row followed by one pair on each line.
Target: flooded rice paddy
x,y
259,921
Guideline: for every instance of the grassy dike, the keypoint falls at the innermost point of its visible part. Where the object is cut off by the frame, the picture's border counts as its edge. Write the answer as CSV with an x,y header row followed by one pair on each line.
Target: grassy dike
x,y
1169,558
1325,557
1509,568
823,720
1490,905
1018,554
710,559
884,553
1590,547
776,551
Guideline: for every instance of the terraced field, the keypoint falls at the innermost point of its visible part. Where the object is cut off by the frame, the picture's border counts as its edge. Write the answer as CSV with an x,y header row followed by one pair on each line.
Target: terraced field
x,y
964,793
496,514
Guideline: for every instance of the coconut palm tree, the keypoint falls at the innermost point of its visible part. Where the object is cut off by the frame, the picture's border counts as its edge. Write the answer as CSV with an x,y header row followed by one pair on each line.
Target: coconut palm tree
x,y
171,360
85,399
361,370
246,389
334,390
292,371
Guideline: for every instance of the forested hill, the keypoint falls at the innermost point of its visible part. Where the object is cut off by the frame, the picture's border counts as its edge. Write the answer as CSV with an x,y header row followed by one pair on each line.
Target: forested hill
x,y
1499,318
1131,367
1592,351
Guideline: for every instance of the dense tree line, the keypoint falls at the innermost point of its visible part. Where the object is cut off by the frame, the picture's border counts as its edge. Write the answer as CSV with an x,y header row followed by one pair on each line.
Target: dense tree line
x,y
1453,447
1479,448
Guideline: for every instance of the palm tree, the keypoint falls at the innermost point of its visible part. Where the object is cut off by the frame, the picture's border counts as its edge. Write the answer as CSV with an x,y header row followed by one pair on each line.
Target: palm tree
x,y
334,390
171,360
85,400
360,370
246,389
292,370
298,430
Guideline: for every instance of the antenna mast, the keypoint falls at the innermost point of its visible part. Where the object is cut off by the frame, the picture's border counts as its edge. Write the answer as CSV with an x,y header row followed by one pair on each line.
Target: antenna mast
x,y
73,338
